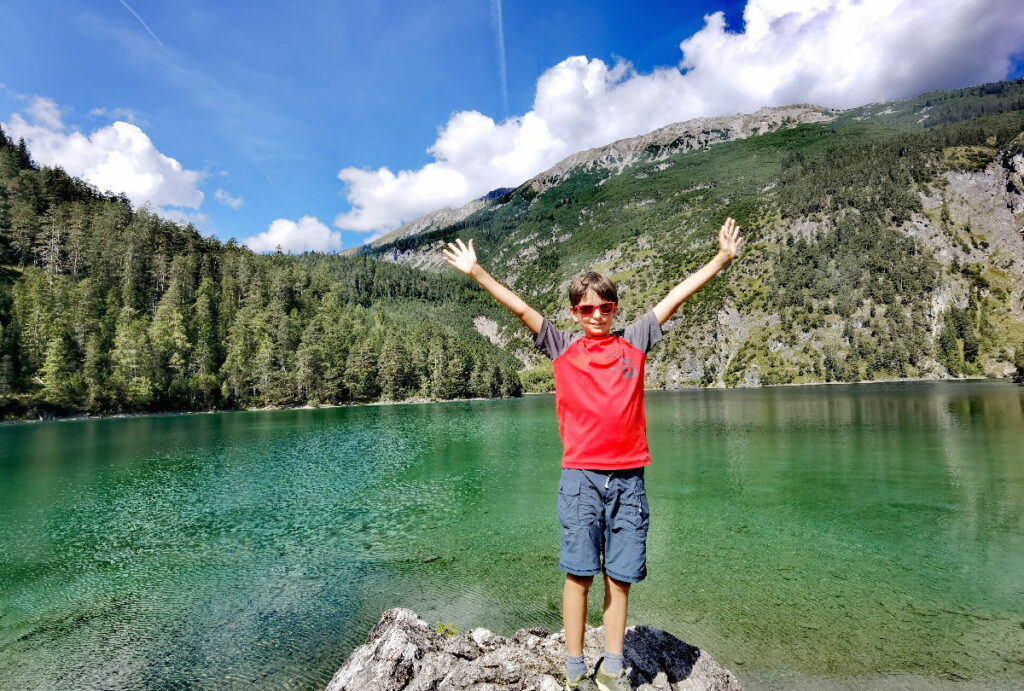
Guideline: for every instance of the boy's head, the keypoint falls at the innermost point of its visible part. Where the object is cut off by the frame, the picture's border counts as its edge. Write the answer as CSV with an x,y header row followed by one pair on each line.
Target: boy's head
x,y
593,299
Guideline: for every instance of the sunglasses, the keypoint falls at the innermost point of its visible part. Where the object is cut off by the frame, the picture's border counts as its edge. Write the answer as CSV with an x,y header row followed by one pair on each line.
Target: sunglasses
x,y
588,310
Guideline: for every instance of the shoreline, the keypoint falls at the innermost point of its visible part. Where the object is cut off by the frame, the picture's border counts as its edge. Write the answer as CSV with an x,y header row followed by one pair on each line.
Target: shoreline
x,y
421,401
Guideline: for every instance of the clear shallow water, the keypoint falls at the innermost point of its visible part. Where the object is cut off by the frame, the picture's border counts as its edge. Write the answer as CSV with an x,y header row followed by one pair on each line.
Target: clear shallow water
x,y
834,536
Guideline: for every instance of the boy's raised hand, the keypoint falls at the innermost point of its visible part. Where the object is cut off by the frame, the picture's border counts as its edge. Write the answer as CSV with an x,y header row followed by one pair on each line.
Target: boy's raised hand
x,y
460,256
729,240
463,258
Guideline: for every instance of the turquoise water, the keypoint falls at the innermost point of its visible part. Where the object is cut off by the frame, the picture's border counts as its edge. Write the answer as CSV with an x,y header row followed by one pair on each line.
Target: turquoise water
x,y
836,536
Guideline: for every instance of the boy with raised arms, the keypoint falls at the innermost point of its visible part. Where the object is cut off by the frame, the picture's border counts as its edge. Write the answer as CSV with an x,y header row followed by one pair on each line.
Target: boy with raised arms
x,y
599,400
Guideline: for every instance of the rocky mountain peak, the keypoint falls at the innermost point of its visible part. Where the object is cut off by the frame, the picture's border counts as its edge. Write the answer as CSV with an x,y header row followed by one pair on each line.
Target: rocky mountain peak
x,y
699,133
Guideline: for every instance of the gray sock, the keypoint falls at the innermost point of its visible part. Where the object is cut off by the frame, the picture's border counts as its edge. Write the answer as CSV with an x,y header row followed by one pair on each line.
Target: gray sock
x,y
574,666
612,662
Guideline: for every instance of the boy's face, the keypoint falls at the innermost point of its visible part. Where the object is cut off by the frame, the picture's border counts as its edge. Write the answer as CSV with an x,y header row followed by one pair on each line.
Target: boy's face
x,y
597,324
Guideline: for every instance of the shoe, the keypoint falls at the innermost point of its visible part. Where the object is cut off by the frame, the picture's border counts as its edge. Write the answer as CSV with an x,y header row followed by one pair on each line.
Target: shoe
x,y
580,683
612,682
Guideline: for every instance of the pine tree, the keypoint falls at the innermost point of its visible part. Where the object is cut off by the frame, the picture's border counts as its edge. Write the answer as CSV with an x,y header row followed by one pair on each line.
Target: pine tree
x,y
240,352
59,374
311,365
24,225
396,382
7,383
361,375
204,383
49,244
24,158
132,361
170,348
94,374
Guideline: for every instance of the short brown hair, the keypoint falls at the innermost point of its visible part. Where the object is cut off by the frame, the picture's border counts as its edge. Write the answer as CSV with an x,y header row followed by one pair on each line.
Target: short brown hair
x,y
591,280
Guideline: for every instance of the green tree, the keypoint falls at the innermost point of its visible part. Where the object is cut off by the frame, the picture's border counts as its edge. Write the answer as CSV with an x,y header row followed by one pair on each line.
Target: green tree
x,y
396,378
170,349
132,361
59,374
361,375
94,374
204,382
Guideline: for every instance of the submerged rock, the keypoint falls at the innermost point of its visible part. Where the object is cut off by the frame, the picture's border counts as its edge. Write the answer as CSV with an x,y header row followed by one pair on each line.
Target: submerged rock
x,y
403,653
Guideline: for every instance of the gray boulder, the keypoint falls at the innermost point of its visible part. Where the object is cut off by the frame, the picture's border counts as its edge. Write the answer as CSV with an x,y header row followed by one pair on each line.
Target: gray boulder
x,y
403,653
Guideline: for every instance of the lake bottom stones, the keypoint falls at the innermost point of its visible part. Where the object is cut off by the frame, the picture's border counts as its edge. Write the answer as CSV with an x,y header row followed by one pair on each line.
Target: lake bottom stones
x,y
403,653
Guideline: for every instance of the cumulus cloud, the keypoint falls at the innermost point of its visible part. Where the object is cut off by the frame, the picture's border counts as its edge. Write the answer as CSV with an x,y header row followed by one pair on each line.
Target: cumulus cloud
x,y
307,234
118,158
227,200
835,53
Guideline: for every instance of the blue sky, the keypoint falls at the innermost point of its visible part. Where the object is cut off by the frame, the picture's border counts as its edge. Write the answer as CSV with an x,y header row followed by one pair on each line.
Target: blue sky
x,y
262,105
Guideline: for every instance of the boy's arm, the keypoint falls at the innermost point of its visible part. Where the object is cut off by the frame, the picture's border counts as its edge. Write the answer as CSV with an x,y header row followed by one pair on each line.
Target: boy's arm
x,y
463,258
729,242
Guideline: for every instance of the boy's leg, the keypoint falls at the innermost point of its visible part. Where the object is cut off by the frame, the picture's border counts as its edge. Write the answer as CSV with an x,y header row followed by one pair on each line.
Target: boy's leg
x,y
616,601
574,611
625,563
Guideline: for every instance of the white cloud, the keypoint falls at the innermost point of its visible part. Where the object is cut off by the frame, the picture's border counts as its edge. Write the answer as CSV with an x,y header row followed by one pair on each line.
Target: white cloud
x,y
227,200
118,158
306,234
835,53
125,114
45,112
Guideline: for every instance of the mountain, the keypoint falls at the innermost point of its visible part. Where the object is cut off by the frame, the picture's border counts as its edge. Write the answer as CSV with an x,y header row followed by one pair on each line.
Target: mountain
x,y
691,135
882,241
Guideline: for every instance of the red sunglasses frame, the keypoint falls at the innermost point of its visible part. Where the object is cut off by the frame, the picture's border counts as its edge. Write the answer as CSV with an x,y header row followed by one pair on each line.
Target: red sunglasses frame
x,y
587,310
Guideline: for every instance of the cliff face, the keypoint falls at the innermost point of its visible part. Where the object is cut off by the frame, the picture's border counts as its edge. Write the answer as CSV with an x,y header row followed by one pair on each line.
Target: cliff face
x,y
402,653
970,221
876,248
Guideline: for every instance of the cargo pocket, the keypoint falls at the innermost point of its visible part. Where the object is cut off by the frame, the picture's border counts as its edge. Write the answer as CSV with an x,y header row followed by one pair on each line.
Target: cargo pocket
x,y
569,503
634,512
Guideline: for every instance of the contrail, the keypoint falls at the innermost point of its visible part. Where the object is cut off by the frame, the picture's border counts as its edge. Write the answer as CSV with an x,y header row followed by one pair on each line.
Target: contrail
x,y
244,148
258,166
145,26
499,27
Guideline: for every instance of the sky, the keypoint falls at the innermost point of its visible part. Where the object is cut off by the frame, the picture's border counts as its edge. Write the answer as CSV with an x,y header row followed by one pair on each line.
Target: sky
x,y
321,125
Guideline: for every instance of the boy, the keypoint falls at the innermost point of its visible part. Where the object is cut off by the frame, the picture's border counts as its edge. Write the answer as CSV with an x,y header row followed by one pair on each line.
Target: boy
x,y
599,399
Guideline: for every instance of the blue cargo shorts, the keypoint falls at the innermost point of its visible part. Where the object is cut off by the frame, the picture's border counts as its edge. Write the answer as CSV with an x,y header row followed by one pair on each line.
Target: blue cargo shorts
x,y
604,517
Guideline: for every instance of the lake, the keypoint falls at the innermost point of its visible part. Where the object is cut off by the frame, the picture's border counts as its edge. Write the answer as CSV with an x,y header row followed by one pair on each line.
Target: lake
x,y
841,536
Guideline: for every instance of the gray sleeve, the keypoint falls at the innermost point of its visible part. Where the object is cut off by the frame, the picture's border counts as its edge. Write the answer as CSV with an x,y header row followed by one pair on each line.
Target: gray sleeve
x,y
644,333
551,340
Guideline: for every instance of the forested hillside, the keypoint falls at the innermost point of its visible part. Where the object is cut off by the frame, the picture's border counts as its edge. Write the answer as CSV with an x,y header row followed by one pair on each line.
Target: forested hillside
x,y
884,242
104,308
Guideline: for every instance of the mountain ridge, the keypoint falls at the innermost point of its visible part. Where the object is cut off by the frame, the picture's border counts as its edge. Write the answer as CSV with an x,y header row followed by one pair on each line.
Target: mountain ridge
x,y
872,183
700,132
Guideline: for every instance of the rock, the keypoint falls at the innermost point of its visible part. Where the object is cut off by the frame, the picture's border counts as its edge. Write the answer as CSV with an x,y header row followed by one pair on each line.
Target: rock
x,y
403,653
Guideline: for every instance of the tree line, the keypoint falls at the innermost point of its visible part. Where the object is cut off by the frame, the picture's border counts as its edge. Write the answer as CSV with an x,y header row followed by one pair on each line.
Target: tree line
x,y
105,308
